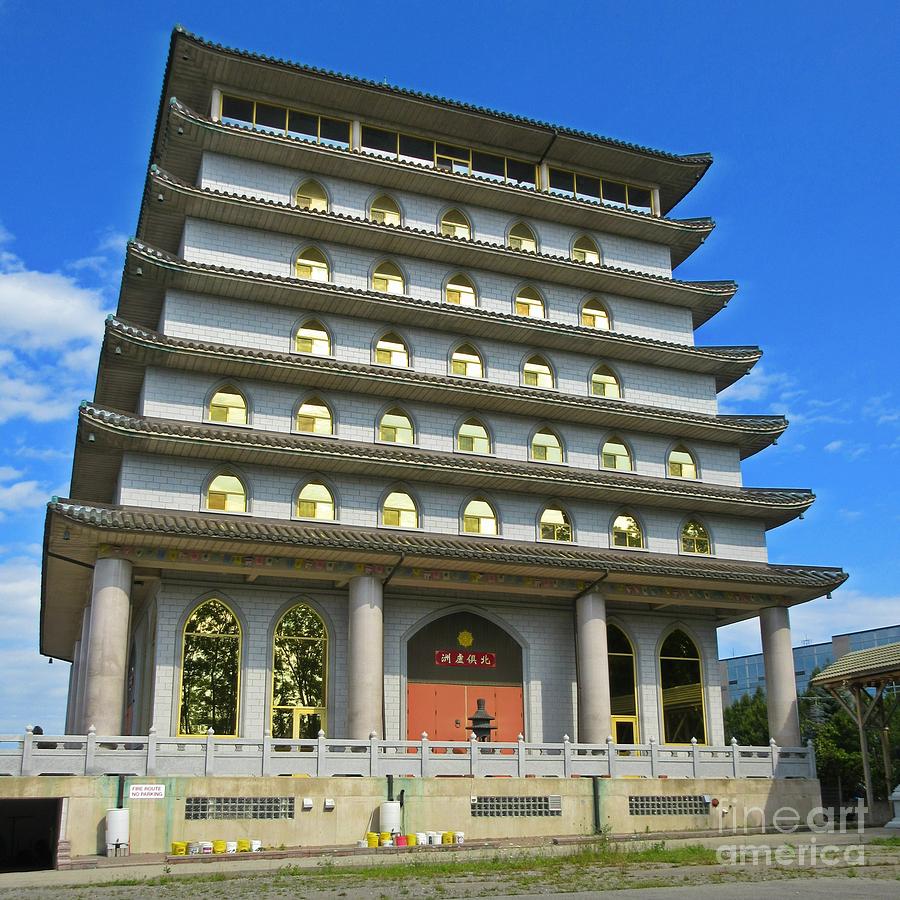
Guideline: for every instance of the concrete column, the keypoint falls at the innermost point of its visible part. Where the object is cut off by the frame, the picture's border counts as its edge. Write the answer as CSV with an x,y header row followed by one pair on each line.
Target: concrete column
x,y
365,655
82,671
594,706
781,686
107,653
73,687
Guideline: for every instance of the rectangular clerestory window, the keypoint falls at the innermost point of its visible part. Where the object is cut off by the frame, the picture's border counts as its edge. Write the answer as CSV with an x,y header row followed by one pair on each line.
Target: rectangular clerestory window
x,y
601,190
284,120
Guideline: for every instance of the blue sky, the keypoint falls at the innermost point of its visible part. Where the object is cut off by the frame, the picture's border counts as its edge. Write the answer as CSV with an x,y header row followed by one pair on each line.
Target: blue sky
x,y
796,101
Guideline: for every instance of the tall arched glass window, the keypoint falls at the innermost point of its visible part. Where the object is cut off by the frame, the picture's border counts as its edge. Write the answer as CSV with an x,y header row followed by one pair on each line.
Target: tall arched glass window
x,y
311,195
460,291
521,237
622,686
681,682
466,360
312,265
391,350
605,384
615,455
312,338
399,510
595,315
226,492
314,417
479,517
584,250
695,538
299,675
388,279
396,427
555,524
529,303
537,373
455,224
682,463
627,532
210,671
546,446
228,405
473,437
385,211
315,501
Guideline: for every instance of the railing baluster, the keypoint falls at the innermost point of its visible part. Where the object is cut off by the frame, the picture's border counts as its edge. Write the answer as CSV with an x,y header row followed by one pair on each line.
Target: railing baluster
x,y
426,766
611,755
89,751
520,755
209,762
735,759
267,753
374,761
151,751
695,756
654,758
27,748
320,755
567,762
474,755
773,750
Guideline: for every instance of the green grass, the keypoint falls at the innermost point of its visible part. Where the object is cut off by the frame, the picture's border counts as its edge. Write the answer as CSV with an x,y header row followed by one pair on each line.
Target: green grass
x,y
892,841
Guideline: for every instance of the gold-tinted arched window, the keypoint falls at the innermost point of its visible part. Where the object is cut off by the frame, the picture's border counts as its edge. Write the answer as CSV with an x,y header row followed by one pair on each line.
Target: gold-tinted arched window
x,y
315,501
385,211
605,384
391,350
455,224
695,538
521,237
399,510
460,291
627,532
314,417
311,195
622,686
299,675
529,303
210,671
473,437
546,446
396,427
595,315
479,517
388,279
466,360
615,455
537,373
555,524
312,338
312,265
226,492
681,682
228,405
682,463
584,250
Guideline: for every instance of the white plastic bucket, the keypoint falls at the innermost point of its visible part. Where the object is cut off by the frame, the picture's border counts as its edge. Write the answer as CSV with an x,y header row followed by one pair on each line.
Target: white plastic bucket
x,y
422,838
390,817
206,847
116,830
231,846
459,837
193,848
255,846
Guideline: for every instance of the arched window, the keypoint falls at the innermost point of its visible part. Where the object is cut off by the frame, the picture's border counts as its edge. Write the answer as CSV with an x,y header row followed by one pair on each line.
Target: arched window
x,y
311,195
622,686
385,211
584,250
466,360
455,224
537,373
391,350
399,510
479,517
595,315
210,671
695,539
605,384
555,524
299,667
396,427
314,417
627,532
521,237
682,463
615,455
461,292
388,279
228,405
312,265
529,303
473,437
681,682
226,492
312,338
546,446
315,501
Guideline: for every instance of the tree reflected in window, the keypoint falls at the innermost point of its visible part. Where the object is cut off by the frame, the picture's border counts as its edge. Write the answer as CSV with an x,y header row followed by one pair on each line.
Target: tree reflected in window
x,y
682,690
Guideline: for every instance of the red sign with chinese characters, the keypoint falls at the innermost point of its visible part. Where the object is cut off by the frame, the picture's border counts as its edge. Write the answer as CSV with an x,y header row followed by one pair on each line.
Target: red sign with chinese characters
x,y
465,658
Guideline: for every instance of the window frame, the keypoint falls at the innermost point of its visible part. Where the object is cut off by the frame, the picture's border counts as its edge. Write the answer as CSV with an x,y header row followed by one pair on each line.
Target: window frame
x,y
623,513
226,472
528,360
417,508
404,281
314,479
296,194
464,516
568,522
324,264
320,401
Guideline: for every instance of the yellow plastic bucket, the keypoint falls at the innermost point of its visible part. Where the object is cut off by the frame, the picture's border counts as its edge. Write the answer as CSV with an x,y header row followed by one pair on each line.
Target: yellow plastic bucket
x,y
219,846
411,840
243,846
179,848
371,838
447,838
384,838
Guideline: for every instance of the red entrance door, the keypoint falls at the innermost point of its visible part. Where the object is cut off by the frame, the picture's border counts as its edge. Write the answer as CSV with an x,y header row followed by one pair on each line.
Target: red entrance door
x,y
443,710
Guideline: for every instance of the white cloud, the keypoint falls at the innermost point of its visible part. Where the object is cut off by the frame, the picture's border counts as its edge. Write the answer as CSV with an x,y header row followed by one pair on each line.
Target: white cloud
x,y
833,446
758,386
8,473
22,495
